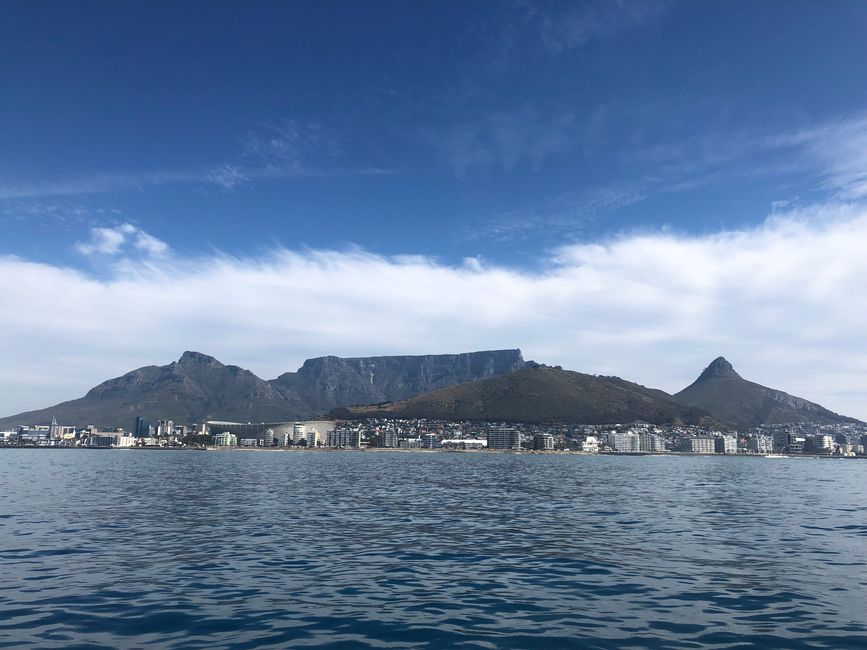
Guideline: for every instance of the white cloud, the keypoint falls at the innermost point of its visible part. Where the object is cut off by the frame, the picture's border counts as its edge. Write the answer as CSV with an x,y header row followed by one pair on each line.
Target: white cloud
x,y
115,240
785,302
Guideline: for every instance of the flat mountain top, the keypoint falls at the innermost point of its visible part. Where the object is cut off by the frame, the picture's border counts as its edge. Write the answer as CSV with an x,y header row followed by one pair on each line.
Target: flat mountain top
x,y
541,394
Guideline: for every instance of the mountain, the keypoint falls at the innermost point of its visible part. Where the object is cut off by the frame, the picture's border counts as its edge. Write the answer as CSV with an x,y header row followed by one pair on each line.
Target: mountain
x,y
328,382
541,394
194,388
197,387
721,391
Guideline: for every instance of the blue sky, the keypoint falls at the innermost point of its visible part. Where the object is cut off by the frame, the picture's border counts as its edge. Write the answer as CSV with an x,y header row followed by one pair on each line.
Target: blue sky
x,y
488,138
447,129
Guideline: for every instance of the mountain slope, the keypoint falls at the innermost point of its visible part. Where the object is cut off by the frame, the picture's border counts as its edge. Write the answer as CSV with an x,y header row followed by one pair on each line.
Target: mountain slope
x,y
192,389
729,397
541,395
197,387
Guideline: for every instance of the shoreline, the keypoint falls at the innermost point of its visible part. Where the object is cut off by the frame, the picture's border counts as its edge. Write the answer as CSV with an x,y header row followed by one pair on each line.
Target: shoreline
x,y
523,452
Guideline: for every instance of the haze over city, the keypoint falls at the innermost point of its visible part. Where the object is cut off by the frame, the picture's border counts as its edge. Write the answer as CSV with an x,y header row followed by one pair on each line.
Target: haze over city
x,y
617,188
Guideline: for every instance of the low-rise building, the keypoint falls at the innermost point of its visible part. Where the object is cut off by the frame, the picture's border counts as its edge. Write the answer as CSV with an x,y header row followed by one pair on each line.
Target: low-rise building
x,y
226,440
698,445
760,444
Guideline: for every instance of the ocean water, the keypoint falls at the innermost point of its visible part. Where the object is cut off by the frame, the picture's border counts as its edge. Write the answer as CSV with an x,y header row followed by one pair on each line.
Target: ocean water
x,y
183,549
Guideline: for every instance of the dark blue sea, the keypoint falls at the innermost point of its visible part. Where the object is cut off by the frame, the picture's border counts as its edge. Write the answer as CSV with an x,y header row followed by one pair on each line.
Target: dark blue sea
x,y
184,549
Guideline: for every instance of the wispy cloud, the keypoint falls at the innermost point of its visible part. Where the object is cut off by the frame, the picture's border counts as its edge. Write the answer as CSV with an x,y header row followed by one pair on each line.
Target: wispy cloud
x,y
564,216
112,241
839,148
55,210
653,306
285,150
833,154
502,140
573,25
289,143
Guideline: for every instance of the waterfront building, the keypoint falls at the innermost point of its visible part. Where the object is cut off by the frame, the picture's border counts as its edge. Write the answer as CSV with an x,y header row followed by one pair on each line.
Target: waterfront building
x,y
504,438
464,443
226,440
142,427
625,442
430,441
102,440
344,439
590,444
312,438
389,438
651,443
298,432
726,445
760,444
36,435
248,442
543,442
698,445
409,443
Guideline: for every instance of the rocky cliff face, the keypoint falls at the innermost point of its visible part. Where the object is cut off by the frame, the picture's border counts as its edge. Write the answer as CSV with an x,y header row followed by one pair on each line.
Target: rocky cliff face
x,y
328,382
197,387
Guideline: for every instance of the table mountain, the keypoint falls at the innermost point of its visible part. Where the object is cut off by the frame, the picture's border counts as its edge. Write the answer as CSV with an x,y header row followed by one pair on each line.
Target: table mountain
x,y
729,397
197,387
328,382
542,394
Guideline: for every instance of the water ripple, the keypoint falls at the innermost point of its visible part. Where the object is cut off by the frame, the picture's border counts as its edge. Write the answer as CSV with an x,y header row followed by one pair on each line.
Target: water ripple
x,y
231,550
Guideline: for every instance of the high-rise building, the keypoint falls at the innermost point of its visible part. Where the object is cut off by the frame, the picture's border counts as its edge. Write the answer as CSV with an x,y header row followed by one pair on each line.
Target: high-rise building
x,y
389,438
726,445
142,427
627,442
344,438
543,442
504,438
430,441
651,443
